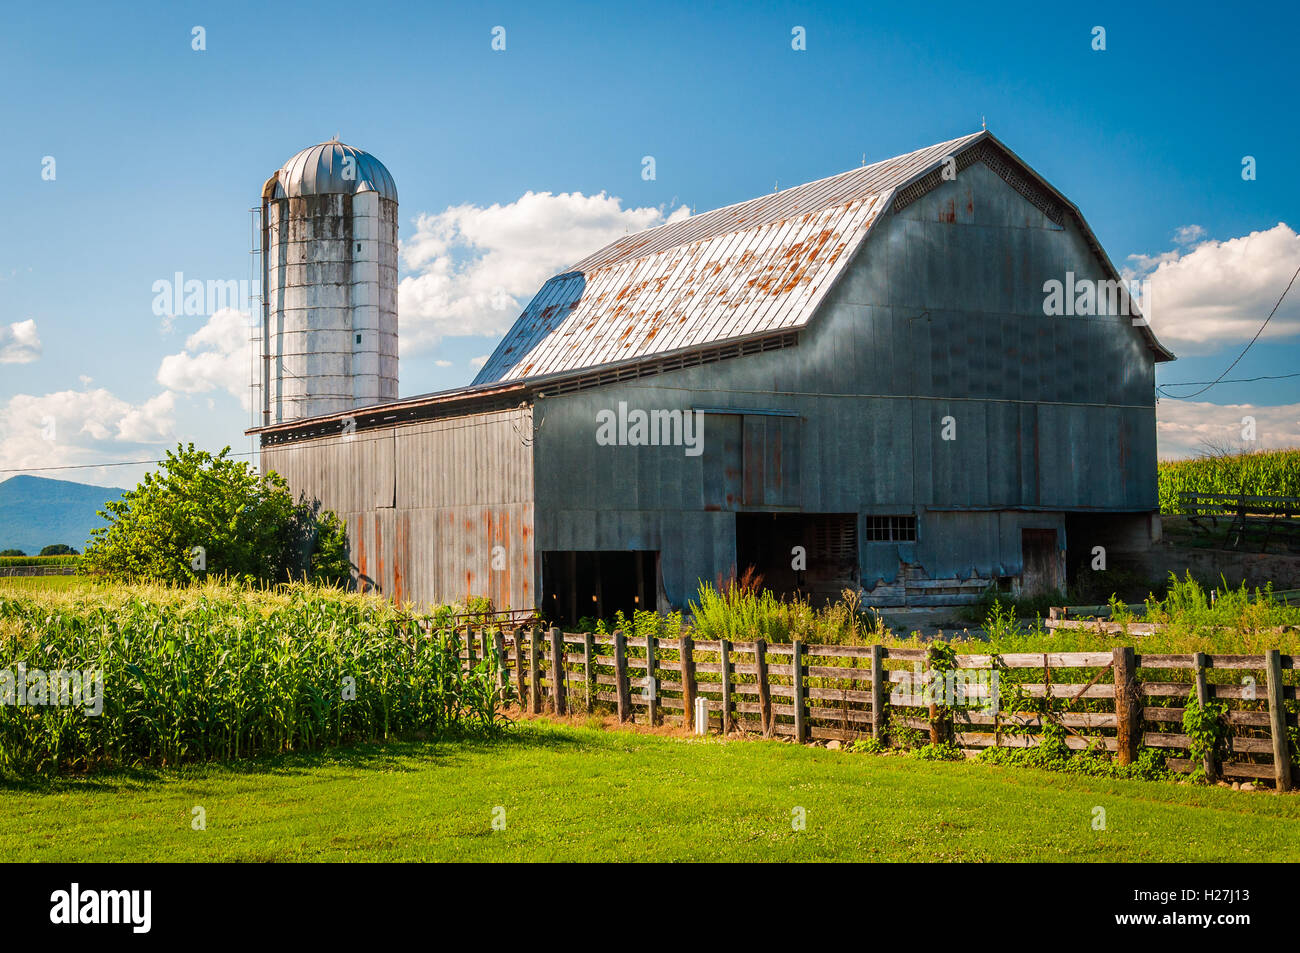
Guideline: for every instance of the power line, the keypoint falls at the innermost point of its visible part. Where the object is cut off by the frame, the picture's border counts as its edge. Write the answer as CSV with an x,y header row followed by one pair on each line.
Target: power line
x,y
1219,379
96,466
1235,380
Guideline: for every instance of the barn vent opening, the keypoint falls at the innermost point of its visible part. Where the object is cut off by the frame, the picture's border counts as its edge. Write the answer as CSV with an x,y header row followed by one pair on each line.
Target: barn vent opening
x,y
578,584
807,554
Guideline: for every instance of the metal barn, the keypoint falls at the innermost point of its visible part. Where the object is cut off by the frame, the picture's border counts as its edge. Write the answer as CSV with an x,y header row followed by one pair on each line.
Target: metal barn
x,y
849,383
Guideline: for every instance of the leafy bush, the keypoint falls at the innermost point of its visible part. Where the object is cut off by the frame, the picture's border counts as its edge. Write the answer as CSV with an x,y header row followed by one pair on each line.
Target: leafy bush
x,y
201,515
643,624
945,751
1053,754
1207,727
741,613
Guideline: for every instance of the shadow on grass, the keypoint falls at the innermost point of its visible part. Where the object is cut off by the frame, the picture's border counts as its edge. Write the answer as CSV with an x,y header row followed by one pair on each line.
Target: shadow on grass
x,y
396,755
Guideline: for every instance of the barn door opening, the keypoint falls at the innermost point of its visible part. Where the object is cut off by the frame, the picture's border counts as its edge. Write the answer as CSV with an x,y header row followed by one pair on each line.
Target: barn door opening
x,y
1043,572
579,584
808,554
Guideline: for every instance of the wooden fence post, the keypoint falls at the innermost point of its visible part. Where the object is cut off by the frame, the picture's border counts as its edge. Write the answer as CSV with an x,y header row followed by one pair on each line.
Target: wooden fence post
x,y
520,677
534,673
879,693
725,668
1128,705
936,729
469,649
1277,720
764,687
688,683
1203,696
503,671
589,668
620,676
651,681
800,703
558,671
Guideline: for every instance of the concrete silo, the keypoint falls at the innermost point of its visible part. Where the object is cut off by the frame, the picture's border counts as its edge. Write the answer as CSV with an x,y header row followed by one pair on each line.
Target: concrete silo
x,y
329,280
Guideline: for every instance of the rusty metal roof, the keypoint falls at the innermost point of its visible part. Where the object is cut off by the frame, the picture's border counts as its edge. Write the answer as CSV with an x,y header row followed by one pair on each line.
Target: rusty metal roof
x,y
756,267
761,266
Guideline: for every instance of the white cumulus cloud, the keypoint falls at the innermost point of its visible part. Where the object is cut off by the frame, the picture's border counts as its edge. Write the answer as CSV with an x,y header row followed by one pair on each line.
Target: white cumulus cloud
x,y
1185,428
19,343
82,427
1208,294
215,357
475,268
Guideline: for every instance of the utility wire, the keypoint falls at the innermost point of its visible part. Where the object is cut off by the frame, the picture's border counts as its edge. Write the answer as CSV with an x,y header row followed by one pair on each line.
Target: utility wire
x,y
1235,380
1219,379
96,466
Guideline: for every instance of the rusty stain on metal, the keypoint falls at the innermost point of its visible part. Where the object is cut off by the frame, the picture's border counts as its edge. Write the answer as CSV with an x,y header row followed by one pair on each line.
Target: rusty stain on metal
x,y
362,574
781,253
752,268
379,553
399,561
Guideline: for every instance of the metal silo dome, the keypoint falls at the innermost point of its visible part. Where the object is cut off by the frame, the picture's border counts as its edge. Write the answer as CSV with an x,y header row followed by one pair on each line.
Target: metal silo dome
x,y
325,170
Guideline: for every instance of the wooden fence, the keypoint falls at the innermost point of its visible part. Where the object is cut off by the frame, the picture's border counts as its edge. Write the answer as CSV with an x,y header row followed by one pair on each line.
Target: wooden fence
x,y
1119,700
1266,515
39,570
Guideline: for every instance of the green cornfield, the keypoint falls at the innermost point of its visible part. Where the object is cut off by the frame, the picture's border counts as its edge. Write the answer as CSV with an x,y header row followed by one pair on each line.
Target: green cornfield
x,y
221,672
1264,473
40,560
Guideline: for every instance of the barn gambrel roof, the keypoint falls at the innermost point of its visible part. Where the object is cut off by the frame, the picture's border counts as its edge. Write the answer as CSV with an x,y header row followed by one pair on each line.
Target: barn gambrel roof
x,y
756,268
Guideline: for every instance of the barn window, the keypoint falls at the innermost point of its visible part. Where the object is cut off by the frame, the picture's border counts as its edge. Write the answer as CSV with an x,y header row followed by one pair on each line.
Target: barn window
x,y
886,529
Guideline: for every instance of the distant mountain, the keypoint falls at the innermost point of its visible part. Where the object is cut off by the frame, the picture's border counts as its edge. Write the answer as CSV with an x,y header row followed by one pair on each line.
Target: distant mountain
x,y
36,512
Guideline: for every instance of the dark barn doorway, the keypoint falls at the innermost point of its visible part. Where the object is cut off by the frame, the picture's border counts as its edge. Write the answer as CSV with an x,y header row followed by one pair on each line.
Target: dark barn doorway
x,y
596,584
1042,572
829,541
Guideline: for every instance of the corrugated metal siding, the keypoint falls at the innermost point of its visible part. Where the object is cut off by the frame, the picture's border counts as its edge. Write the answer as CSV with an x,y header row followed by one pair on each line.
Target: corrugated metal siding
x,y
353,473
426,504
940,315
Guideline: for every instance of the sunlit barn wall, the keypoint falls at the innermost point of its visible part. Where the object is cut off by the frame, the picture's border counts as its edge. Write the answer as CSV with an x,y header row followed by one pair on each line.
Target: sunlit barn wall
x,y
941,314
427,502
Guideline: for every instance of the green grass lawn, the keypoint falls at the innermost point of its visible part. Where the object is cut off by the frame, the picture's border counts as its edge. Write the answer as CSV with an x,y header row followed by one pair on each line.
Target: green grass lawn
x,y
586,794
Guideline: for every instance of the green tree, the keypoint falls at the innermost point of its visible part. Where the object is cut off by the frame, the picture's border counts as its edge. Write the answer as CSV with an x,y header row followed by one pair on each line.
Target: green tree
x,y
58,549
200,515
12,552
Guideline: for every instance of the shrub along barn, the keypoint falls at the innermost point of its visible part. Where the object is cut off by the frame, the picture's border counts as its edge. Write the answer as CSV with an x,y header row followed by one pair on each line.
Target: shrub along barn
x,y
849,383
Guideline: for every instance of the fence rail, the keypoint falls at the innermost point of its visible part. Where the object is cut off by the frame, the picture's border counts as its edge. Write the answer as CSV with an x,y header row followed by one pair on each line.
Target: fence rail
x,y
39,570
1243,512
1118,700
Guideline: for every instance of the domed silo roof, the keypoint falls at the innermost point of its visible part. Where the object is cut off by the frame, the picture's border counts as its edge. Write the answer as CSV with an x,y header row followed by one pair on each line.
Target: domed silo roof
x,y
322,170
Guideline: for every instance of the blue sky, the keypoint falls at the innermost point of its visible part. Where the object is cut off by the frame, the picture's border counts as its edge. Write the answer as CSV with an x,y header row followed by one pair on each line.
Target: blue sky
x,y
160,151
